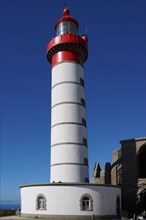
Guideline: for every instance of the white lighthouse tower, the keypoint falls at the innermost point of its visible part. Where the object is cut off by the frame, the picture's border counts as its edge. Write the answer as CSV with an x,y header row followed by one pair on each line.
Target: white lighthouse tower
x,y
69,151
69,195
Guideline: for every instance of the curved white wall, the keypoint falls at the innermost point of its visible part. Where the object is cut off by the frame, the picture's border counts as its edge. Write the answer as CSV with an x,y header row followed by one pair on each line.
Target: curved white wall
x,y
72,153
67,113
64,199
67,92
69,172
67,72
68,133
68,124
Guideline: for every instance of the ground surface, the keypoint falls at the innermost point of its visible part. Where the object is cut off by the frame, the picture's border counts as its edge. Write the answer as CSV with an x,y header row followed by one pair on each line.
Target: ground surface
x,y
14,217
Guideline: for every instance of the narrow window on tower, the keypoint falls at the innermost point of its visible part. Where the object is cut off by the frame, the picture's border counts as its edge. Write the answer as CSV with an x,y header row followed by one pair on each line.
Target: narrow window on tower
x,y
84,121
82,82
85,141
85,161
82,102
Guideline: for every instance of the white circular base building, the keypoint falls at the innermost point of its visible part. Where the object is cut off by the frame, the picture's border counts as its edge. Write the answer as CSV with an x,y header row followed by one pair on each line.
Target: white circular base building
x,y
70,201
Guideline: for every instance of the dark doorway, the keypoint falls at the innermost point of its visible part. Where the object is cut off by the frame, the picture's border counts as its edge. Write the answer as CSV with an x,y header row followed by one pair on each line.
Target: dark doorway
x,y
142,162
143,201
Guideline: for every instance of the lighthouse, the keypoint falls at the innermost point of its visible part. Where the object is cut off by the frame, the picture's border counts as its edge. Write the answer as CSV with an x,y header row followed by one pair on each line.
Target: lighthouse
x,y
67,53
69,195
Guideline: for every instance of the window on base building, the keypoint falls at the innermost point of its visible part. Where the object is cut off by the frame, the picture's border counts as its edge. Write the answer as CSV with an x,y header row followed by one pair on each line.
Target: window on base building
x,y
41,202
86,203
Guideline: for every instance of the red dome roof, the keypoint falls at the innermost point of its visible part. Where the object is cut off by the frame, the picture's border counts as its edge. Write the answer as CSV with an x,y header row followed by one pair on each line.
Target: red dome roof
x,y
66,17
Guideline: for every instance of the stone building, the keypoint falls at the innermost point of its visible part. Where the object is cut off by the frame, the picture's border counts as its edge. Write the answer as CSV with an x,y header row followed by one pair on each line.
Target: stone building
x,y
128,170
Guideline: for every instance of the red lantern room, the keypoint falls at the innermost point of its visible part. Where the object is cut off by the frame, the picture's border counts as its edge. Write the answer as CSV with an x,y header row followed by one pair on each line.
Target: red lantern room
x,y
67,45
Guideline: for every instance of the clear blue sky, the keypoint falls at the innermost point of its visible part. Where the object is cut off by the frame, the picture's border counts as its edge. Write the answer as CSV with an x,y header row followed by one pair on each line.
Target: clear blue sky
x,y
114,77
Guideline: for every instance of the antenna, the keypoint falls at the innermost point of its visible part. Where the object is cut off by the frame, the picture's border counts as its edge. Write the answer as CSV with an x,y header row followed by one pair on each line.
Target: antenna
x,y
66,4
86,29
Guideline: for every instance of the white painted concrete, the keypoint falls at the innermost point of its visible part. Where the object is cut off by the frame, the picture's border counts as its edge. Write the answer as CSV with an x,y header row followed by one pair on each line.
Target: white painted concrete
x,y
69,173
68,133
65,199
67,72
71,154
68,130
68,113
68,92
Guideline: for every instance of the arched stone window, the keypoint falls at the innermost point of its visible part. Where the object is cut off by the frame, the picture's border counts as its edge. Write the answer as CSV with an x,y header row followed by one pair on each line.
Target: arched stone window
x,y
41,202
142,161
86,203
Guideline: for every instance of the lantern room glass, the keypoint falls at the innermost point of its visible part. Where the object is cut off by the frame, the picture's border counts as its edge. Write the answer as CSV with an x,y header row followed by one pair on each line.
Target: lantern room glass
x,y
66,27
